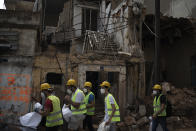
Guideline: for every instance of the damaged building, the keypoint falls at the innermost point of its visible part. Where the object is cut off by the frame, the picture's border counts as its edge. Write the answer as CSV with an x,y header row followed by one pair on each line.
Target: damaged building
x,y
53,41
177,54
88,40
95,41
19,36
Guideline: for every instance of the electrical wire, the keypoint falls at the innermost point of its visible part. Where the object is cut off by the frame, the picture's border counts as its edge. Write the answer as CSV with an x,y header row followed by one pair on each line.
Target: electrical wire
x,y
113,23
116,29
150,30
82,35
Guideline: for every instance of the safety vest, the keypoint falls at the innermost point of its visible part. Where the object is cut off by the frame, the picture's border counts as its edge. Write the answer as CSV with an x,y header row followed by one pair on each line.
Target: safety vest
x,y
82,108
157,106
90,111
55,117
116,116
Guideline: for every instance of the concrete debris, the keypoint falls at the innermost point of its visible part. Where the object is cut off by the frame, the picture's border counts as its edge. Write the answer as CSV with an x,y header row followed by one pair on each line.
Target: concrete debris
x,y
175,121
142,110
142,121
129,120
133,121
183,103
166,87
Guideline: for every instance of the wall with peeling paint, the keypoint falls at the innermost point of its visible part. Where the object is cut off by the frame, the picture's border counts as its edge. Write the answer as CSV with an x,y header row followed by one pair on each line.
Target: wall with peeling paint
x,y
19,17
53,60
27,41
16,70
15,88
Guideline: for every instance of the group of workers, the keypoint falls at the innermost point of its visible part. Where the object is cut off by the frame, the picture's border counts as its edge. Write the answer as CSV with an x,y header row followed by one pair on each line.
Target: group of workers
x,y
82,104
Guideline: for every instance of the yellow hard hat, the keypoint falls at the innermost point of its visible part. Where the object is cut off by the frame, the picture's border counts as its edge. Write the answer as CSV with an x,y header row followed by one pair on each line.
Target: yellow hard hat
x,y
89,84
105,83
45,86
71,82
157,87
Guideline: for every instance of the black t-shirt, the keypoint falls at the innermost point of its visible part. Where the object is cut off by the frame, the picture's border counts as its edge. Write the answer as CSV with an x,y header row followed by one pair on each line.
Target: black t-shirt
x,y
162,99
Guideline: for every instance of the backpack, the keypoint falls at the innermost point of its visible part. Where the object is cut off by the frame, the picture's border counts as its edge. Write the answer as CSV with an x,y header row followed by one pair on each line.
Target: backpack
x,y
169,108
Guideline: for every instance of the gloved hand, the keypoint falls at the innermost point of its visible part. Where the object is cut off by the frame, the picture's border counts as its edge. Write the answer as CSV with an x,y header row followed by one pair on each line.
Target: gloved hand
x,y
37,110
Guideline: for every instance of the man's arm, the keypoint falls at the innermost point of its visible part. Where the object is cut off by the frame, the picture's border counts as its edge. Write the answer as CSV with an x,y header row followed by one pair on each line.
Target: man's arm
x,y
45,112
74,104
111,99
48,107
113,111
92,104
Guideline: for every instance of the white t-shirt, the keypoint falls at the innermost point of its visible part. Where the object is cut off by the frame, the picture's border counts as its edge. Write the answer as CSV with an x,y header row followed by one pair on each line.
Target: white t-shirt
x,y
111,100
79,97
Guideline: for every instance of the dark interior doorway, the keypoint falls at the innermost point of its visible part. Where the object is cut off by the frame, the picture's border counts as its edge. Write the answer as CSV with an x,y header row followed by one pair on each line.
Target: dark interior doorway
x,y
93,77
96,78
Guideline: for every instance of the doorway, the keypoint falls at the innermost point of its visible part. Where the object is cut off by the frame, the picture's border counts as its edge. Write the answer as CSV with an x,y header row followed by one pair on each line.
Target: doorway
x,y
93,77
96,78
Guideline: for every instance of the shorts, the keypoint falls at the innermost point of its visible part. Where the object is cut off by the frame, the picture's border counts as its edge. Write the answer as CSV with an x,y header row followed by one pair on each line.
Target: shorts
x,y
76,122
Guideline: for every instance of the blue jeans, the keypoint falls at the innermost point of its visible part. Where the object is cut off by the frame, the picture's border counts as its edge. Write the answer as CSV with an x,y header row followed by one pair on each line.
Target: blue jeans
x,y
161,121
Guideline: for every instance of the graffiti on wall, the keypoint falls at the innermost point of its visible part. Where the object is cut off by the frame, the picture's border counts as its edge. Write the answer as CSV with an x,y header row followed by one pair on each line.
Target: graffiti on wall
x,y
14,90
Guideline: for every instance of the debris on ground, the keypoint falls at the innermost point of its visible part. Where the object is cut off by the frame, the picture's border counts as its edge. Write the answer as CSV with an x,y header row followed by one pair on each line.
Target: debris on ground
x,y
183,103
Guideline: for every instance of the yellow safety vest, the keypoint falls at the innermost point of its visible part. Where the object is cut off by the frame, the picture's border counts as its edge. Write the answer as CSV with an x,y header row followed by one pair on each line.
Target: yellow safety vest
x,y
55,117
82,108
90,111
116,116
157,106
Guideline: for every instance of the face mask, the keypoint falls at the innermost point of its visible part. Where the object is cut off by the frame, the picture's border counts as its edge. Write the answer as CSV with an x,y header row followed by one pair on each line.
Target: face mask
x,y
85,90
102,91
69,91
154,92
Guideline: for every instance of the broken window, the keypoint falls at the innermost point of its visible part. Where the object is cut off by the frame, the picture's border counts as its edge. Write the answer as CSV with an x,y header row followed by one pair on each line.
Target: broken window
x,y
89,19
54,78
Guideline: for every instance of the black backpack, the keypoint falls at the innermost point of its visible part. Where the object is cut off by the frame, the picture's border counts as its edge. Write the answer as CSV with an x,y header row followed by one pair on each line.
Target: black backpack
x,y
169,108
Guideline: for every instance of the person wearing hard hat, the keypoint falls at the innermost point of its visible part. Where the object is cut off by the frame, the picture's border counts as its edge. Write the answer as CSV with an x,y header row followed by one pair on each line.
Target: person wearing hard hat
x,y
112,112
90,106
159,106
52,109
78,106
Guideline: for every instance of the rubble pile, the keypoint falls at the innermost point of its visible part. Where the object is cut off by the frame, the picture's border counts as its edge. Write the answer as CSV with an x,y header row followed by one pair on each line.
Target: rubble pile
x,y
183,102
135,120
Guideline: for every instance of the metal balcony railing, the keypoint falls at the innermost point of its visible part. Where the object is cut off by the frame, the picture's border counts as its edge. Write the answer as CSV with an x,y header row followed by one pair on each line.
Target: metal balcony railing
x,y
98,42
